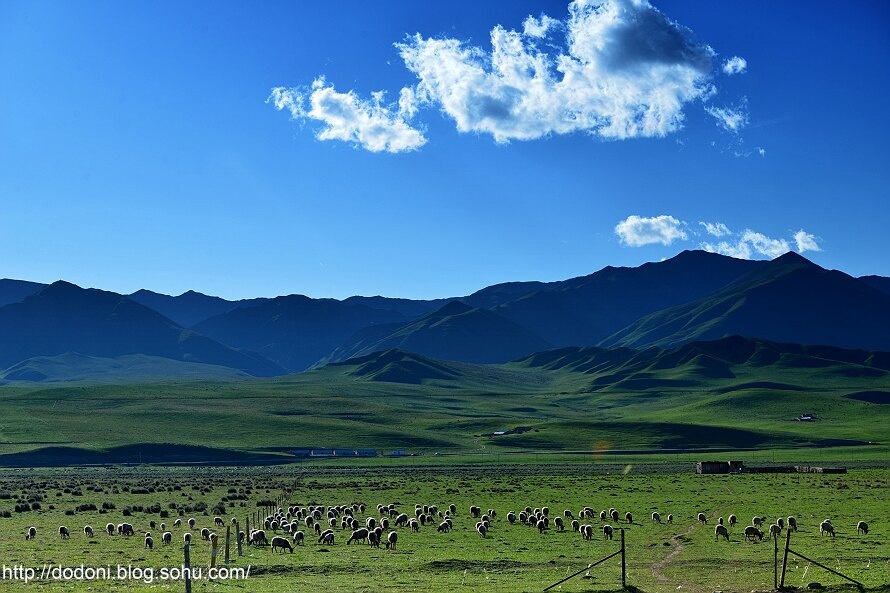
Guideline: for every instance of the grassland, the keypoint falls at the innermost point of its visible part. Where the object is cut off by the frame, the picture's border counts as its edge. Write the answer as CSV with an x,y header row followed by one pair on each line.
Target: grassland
x,y
516,558
554,410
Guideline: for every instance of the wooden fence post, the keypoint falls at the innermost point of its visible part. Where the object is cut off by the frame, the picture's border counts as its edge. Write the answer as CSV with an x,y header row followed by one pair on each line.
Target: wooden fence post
x,y
785,558
238,537
187,569
228,539
623,563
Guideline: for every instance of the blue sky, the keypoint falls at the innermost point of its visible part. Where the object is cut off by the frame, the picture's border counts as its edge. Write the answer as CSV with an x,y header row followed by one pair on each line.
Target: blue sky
x,y
329,149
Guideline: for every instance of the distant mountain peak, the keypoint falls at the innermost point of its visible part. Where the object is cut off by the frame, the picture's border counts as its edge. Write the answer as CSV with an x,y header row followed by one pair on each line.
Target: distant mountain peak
x,y
793,258
453,308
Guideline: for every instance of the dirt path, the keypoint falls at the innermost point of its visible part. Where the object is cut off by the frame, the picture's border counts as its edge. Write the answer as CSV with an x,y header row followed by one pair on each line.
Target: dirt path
x,y
678,547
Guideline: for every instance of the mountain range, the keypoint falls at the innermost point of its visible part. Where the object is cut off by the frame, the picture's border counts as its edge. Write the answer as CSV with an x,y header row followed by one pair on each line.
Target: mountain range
x,y
61,331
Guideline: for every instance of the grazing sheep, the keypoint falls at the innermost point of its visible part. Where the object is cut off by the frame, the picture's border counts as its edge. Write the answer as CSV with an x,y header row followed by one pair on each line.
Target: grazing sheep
x,y
603,515
826,527
31,533
282,543
656,517
110,528
327,538
541,525
568,514
444,527
775,530
149,542
576,525
481,529
862,527
720,521
371,523
391,538
402,519
670,518
475,511
177,523
721,530
88,530
792,523
218,521
757,521
167,538
126,529
751,532
732,520
191,523
629,517
702,518
358,535
205,534
187,538
164,525
414,525
258,537
613,514
780,522
63,532
374,539
511,517
559,523
607,532
299,536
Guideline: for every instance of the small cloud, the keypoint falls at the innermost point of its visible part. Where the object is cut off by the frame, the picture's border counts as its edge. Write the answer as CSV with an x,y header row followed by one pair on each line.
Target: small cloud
x,y
735,65
806,242
761,151
750,243
538,28
731,119
718,229
636,231
366,123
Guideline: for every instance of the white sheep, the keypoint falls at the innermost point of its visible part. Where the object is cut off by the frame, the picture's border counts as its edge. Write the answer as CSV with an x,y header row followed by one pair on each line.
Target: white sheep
x,y
732,520
586,532
559,523
110,528
31,533
358,535
299,536
702,518
751,532
327,538
721,530
63,532
88,530
607,532
656,517
149,542
792,523
167,538
177,523
670,518
826,527
281,542
629,517
187,538
757,521
862,527
191,523
775,530
391,538
481,529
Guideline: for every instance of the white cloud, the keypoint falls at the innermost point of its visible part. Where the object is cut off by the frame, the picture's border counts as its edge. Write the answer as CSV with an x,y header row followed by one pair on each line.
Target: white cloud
x,y
806,242
370,124
533,27
729,118
718,229
735,65
626,71
750,243
622,70
761,151
636,231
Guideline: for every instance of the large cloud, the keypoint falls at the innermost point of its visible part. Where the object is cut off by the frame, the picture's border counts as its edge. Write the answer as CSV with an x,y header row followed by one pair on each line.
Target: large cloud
x,y
636,231
625,71
614,69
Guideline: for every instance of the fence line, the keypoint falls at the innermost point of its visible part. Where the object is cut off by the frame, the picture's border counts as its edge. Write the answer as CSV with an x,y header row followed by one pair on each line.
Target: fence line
x,y
600,561
788,550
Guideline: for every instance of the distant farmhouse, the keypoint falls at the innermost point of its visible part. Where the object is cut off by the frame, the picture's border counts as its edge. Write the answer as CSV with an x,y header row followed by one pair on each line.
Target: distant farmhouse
x,y
719,467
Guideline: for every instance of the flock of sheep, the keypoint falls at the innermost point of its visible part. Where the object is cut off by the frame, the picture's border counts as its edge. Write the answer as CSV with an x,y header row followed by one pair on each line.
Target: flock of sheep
x,y
288,527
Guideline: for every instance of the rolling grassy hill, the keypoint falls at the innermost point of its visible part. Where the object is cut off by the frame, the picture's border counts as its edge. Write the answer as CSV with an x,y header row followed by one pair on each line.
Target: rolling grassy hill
x,y
583,400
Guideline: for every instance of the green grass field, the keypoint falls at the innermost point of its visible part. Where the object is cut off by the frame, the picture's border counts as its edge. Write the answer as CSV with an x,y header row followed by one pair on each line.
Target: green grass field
x,y
517,558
